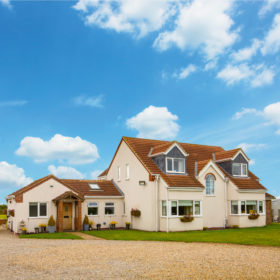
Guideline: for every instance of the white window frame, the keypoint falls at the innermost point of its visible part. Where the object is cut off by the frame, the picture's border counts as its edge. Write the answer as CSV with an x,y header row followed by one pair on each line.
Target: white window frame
x,y
246,214
109,206
92,207
127,172
119,173
173,171
168,208
38,210
238,207
211,194
241,166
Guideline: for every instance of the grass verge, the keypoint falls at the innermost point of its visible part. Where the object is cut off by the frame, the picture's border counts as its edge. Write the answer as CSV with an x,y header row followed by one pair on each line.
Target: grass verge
x,y
265,236
56,235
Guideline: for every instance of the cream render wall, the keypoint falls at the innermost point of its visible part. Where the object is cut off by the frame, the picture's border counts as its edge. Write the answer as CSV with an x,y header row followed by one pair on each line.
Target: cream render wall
x,y
136,196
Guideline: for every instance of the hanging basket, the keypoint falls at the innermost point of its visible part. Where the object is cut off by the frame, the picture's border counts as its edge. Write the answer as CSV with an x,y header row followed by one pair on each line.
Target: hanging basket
x,y
186,219
135,212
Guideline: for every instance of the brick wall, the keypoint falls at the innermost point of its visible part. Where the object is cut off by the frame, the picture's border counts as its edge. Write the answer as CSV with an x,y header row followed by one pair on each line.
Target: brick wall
x,y
268,212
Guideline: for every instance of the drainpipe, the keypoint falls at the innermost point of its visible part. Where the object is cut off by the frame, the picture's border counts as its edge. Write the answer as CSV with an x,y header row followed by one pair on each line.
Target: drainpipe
x,y
167,211
156,199
226,206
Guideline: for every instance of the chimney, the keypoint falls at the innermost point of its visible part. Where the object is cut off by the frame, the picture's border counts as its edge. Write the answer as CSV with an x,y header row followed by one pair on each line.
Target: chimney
x,y
195,169
213,156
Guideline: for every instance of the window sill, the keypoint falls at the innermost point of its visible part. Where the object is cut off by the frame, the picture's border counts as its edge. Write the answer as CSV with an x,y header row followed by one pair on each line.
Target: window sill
x,y
176,217
210,195
93,215
261,214
127,179
108,215
38,217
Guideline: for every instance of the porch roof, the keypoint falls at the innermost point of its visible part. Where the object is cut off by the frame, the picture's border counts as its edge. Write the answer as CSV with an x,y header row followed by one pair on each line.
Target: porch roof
x,y
68,195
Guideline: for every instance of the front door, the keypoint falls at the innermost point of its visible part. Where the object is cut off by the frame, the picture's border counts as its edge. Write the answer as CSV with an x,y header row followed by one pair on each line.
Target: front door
x,y
67,216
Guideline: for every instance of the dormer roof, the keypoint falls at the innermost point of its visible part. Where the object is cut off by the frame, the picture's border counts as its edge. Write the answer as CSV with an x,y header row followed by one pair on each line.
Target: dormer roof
x,y
230,155
166,148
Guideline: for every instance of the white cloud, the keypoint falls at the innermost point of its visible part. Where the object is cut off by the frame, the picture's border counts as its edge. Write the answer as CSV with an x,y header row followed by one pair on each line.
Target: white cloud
x,y
94,174
6,3
252,162
59,147
245,111
89,101
185,72
268,6
255,75
138,17
154,122
247,147
272,39
210,65
12,176
65,172
247,53
201,24
13,103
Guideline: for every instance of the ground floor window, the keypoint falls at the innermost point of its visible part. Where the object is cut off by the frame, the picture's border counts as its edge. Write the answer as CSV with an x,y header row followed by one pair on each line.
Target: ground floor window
x,y
247,206
181,208
109,208
92,208
234,207
37,209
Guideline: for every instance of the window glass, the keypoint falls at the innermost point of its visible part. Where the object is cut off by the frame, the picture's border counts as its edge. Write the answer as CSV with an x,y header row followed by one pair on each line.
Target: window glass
x,y
234,207
210,185
251,205
169,164
179,165
163,208
260,207
119,173
236,169
43,209
185,207
197,207
244,169
127,171
243,207
33,209
174,208
109,208
92,208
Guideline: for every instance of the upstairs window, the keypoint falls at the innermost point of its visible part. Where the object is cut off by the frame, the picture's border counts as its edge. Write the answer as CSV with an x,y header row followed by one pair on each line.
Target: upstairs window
x,y
210,184
127,172
175,165
119,173
239,169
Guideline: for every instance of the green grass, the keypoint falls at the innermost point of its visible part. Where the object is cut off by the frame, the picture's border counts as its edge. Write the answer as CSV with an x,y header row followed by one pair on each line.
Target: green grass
x,y
266,236
56,235
3,217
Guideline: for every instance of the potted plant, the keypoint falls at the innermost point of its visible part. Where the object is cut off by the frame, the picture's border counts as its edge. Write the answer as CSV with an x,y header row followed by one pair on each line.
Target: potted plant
x,y
91,224
98,226
135,212
23,230
127,225
51,224
86,223
43,227
253,215
113,224
187,218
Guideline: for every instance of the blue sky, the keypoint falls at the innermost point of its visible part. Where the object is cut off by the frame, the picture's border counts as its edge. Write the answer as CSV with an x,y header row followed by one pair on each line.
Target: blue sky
x,y
75,76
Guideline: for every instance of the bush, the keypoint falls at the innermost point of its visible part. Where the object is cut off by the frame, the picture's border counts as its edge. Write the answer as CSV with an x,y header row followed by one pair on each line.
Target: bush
x,y
235,226
127,223
135,212
42,225
86,220
51,222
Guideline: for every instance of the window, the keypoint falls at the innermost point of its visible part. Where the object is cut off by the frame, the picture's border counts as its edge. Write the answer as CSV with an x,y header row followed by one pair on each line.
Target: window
x,y
109,208
127,172
239,169
197,208
185,207
251,205
92,208
175,165
119,173
234,207
37,209
163,208
260,207
174,211
243,207
210,181
94,187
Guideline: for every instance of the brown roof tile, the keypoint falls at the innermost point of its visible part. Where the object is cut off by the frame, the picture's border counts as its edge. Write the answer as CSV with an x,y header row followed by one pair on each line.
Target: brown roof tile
x,y
104,173
226,154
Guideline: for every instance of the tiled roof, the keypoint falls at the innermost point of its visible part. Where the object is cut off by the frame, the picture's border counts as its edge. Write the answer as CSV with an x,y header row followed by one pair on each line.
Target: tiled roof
x,y
201,154
161,148
104,173
269,196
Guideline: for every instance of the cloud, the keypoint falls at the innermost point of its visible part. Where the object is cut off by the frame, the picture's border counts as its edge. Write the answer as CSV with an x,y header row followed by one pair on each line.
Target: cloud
x,y
255,75
154,122
12,176
252,162
201,24
247,53
138,17
65,172
185,72
247,147
13,103
268,6
6,3
270,113
94,174
89,101
59,147
210,65
271,43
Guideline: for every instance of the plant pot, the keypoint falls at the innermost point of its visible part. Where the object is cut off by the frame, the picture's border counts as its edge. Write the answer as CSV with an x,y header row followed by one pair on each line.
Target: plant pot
x,y
43,229
98,226
51,229
36,229
112,226
23,232
127,226
86,227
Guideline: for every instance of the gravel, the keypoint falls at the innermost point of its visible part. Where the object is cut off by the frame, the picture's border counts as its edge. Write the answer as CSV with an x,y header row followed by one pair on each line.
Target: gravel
x,y
102,259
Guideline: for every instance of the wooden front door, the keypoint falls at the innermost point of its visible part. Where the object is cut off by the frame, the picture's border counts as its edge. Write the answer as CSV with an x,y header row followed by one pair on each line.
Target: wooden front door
x,y
67,216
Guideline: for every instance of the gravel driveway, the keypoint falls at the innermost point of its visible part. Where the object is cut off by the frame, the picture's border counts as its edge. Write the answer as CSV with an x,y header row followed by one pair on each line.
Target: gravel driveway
x,y
101,259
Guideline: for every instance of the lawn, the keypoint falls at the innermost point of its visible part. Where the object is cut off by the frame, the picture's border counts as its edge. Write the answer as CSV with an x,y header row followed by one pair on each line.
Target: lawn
x,y
56,235
267,236
3,217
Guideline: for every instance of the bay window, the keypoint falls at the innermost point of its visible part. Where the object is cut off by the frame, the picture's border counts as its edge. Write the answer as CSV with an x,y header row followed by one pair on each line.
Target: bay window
x,y
234,207
163,208
37,210
246,206
174,211
175,165
260,207
239,169
181,208
251,205
185,207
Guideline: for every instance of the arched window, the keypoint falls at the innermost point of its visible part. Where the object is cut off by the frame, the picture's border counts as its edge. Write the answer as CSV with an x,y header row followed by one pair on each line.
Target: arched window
x,y
210,184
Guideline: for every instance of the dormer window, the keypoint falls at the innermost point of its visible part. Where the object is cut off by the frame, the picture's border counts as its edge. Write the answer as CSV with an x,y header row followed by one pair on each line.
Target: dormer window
x,y
175,165
240,169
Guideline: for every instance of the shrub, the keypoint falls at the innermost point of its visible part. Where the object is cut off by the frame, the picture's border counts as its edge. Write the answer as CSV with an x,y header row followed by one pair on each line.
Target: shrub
x,y
253,215
135,212
51,222
186,219
113,223
235,226
86,220
205,228
91,223
127,223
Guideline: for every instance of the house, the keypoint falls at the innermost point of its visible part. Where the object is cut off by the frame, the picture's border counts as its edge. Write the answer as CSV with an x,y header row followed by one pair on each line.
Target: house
x,y
276,209
162,180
